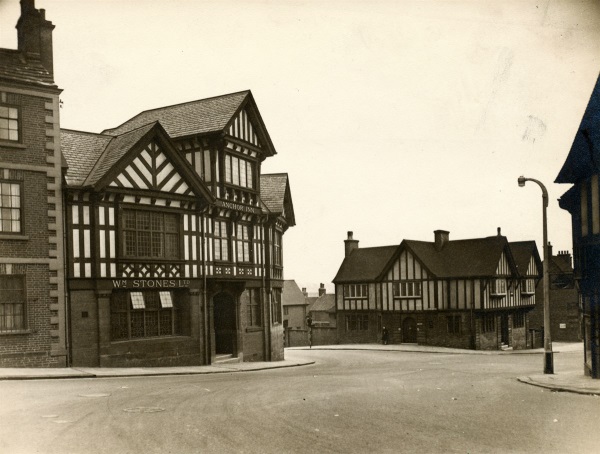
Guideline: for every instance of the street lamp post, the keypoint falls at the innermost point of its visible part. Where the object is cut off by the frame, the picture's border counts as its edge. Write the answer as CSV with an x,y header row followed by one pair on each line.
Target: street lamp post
x,y
548,358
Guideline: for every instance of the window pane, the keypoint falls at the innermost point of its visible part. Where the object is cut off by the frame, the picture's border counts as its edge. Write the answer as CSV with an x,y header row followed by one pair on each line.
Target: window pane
x,y
242,173
166,299
137,300
250,175
228,169
235,173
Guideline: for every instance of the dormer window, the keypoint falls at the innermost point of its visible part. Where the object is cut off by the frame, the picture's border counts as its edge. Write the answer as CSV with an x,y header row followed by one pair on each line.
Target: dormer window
x,y
498,287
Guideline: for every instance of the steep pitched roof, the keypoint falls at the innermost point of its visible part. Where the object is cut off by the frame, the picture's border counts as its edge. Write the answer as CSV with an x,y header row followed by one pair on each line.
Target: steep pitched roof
x,y
16,66
522,251
583,159
292,295
92,158
476,257
276,195
324,303
115,150
81,151
364,264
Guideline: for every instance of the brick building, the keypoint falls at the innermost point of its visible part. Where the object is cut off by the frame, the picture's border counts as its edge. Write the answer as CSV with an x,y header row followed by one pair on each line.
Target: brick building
x,y
565,313
33,330
473,293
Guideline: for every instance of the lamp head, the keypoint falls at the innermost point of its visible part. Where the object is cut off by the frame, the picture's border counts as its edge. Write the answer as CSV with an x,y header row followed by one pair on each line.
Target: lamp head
x,y
521,181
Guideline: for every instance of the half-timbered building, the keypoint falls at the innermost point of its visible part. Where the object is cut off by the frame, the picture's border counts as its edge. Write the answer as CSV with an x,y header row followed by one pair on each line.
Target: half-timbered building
x,y
471,293
582,201
175,238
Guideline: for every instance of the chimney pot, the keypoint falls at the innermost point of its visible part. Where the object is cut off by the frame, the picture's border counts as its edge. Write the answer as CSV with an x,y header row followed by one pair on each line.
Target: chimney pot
x,y
350,244
499,231
441,238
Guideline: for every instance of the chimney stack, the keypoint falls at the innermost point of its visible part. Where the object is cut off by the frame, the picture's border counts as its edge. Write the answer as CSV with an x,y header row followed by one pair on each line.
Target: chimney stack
x,y
34,35
350,244
322,290
499,231
550,249
304,292
441,238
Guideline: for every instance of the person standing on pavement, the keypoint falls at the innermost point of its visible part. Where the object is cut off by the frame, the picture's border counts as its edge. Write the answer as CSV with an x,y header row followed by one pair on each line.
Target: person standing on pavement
x,y
384,336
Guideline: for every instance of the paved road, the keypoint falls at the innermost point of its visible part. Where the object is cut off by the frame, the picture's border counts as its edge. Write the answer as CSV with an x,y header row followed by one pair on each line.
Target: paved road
x,y
349,401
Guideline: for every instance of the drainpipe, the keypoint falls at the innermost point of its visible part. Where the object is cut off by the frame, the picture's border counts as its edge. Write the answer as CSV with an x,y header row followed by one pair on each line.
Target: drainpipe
x,y
66,260
204,295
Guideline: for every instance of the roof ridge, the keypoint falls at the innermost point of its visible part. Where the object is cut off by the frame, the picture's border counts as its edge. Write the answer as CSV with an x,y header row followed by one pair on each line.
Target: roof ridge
x,y
176,105
86,132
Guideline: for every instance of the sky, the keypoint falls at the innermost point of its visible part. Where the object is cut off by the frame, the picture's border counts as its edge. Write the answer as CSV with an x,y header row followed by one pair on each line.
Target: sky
x,y
392,118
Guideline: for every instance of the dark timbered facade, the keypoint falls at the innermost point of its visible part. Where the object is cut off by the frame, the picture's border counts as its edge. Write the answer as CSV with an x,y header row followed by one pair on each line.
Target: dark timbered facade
x,y
582,201
463,294
175,238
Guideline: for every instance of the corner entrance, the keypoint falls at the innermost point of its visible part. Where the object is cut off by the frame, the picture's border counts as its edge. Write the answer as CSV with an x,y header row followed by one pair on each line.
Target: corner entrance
x,y
409,331
225,323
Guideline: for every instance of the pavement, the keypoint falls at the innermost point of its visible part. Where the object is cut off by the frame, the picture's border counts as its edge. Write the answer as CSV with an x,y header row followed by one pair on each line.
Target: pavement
x,y
566,380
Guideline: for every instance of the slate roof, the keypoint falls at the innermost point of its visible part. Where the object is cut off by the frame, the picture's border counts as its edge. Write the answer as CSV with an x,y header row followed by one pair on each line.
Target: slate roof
x,y
17,67
468,258
273,190
364,264
522,252
476,257
81,150
324,303
583,159
115,150
195,117
292,295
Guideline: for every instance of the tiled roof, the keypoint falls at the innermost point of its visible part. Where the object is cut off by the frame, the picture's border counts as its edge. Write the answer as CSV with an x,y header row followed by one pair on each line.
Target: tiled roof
x,y
81,150
195,117
476,257
583,159
292,295
364,264
272,191
16,66
522,251
115,150
324,303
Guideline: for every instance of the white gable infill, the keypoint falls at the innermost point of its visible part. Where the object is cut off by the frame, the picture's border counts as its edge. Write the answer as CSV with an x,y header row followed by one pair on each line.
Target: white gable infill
x,y
152,170
241,127
153,164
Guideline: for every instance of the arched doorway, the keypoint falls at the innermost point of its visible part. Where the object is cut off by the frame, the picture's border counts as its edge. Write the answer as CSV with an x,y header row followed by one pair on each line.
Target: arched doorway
x,y
225,323
409,331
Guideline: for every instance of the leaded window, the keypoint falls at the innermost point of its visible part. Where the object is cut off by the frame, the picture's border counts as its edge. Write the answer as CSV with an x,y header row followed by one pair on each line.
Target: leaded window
x,y
243,243
528,286
253,309
221,241
411,289
10,207
12,303
150,234
9,123
518,320
239,172
357,322
276,311
488,323
356,291
144,314
277,253
498,286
